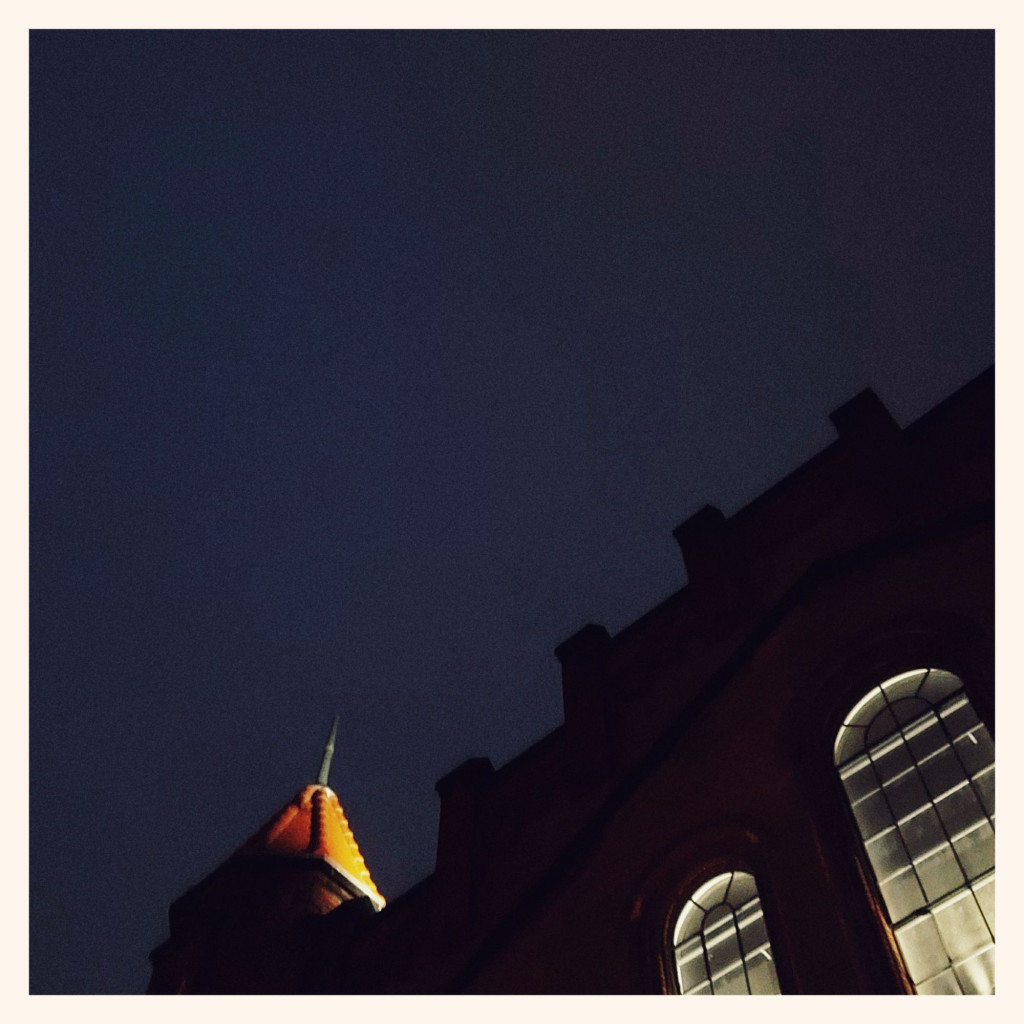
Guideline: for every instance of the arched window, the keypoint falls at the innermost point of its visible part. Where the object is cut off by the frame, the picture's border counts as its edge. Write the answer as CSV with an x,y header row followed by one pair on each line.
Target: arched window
x,y
919,771
721,945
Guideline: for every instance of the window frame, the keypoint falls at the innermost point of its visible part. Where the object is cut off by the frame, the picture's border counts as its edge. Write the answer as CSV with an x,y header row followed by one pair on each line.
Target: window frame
x,y
845,754
733,876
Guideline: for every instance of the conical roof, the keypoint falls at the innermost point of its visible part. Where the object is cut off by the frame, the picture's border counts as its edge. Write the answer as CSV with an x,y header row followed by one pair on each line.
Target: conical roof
x,y
313,824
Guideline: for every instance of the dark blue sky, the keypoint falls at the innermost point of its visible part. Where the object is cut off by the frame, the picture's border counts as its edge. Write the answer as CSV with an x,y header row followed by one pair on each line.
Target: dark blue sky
x,y
366,367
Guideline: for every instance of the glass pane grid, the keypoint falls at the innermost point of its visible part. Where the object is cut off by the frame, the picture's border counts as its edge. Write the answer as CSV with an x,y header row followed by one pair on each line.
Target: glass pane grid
x,y
950,947
729,954
928,827
945,849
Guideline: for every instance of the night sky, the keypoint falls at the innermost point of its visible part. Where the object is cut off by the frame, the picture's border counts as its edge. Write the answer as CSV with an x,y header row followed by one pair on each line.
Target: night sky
x,y
368,366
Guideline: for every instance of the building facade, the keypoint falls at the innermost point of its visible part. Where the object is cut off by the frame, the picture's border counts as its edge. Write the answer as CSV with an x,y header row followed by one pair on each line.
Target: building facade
x,y
780,779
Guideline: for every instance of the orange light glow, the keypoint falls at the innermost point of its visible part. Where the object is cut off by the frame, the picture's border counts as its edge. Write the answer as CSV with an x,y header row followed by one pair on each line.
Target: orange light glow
x,y
313,824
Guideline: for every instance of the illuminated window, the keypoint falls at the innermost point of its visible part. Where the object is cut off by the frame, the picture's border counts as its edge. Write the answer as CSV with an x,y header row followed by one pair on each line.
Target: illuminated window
x,y
919,771
721,944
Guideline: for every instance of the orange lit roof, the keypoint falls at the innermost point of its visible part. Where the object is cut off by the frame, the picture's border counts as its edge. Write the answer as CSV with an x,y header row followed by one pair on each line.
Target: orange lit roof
x,y
313,824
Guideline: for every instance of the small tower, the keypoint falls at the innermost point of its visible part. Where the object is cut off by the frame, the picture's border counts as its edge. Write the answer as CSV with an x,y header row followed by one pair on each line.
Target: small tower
x,y
248,927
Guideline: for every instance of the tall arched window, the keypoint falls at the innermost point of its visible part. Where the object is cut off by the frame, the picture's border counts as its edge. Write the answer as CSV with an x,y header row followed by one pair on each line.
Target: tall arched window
x,y
919,771
721,944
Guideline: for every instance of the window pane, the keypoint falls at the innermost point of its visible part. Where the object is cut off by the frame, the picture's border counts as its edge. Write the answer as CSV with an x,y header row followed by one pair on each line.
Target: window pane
x,y
922,948
959,809
975,750
906,794
892,760
690,964
859,778
872,814
717,919
763,979
907,710
941,772
939,873
958,716
926,737
977,976
977,850
944,985
753,935
887,853
731,983
961,926
723,952
922,832
902,895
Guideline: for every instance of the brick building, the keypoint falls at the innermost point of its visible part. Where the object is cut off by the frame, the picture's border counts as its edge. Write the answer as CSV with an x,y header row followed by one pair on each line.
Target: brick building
x,y
779,779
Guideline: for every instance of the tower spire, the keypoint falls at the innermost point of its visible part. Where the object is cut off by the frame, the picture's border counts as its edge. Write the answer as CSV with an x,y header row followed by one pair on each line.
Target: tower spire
x,y
325,763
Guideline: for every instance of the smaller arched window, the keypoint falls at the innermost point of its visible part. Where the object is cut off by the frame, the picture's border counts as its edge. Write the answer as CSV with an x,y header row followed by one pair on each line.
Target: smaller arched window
x,y
721,943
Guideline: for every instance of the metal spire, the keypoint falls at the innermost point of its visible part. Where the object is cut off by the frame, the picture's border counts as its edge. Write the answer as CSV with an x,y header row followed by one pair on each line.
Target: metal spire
x,y
325,764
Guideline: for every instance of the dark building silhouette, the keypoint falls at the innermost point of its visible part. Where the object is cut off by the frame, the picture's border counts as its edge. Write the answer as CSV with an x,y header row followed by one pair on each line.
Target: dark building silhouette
x,y
779,779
